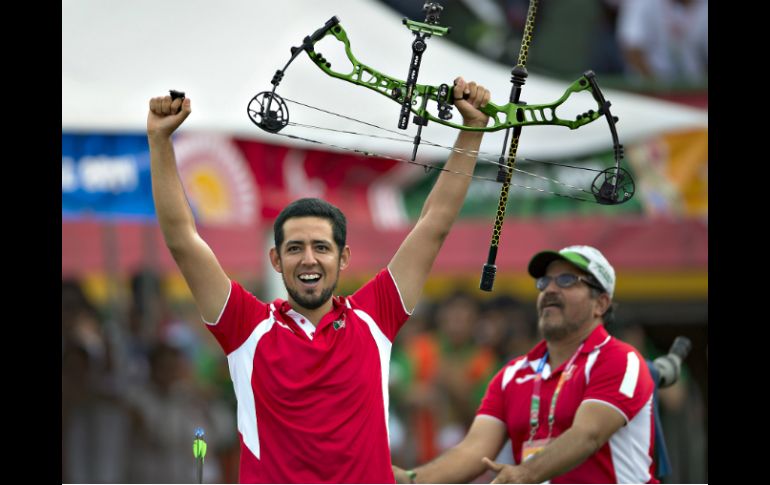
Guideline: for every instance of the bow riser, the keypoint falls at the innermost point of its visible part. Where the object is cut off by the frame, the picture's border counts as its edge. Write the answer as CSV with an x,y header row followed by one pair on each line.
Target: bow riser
x,y
505,116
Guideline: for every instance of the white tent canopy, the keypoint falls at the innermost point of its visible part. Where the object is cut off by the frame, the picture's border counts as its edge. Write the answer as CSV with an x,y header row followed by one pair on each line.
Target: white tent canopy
x,y
117,54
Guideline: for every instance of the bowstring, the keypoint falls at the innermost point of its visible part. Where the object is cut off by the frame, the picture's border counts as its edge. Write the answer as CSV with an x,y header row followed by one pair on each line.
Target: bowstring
x,y
403,137
427,166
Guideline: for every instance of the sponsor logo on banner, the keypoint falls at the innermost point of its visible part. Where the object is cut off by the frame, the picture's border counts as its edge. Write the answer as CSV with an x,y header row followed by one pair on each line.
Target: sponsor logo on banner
x,y
218,182
105,176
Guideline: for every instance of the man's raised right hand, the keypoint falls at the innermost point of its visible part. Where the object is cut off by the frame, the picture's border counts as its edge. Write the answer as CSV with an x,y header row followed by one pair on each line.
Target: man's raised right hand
x,y
166,115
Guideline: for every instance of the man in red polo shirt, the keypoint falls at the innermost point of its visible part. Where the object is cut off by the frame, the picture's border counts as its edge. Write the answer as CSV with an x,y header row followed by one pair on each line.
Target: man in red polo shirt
x,y
310,374
577,408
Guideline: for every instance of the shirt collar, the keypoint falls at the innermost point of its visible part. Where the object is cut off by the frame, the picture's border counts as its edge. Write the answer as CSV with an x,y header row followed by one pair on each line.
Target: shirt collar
x,y
288,314
596,339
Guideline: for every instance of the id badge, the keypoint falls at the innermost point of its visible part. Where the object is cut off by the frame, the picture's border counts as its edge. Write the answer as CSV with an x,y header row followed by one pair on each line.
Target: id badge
x,y
532,448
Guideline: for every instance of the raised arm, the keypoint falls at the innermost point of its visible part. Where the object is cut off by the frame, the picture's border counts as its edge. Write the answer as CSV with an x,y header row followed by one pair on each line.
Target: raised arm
x,y
413,260
462,463
208,282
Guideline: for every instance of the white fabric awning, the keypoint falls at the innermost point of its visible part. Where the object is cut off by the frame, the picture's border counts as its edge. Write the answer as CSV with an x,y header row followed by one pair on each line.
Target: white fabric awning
x,y
117,54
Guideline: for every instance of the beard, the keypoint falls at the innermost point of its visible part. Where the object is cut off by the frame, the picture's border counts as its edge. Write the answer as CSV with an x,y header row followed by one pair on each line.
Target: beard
x,y
568,321
311,302
554,332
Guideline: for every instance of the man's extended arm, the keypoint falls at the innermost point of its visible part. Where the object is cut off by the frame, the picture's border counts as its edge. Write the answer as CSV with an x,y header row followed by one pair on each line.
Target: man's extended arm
x,y
462,463
413,260
207,280
594,424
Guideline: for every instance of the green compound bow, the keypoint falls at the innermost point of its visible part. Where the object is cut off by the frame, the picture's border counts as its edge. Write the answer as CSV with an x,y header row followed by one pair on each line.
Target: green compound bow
x,y
611,186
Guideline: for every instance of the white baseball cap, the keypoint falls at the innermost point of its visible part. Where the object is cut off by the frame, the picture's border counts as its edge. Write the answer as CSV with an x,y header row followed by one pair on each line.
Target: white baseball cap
x,y
587,258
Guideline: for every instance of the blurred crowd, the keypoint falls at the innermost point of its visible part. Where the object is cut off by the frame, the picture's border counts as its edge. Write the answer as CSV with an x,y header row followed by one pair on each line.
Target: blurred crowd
x,y
137,379
648,43
141,372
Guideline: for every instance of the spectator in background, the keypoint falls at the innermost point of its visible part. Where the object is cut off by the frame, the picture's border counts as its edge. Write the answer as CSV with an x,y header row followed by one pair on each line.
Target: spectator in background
x,y
106,380
94,422
464,369
665,40
414,394
212,380
505,328
605,55
164,414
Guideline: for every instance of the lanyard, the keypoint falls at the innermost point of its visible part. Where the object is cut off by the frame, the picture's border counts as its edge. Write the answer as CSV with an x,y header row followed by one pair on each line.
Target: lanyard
x,y
534,408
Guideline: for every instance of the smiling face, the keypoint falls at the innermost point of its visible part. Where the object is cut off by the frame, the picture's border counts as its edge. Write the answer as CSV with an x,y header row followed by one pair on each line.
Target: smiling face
x,y
563,312
309,261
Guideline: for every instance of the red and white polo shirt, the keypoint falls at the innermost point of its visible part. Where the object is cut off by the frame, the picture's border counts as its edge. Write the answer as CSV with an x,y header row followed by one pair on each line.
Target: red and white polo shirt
x,y
313,402
608,371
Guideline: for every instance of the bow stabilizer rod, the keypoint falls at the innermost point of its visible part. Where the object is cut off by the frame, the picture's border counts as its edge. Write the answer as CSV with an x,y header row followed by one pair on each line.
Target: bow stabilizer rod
x,y
518,77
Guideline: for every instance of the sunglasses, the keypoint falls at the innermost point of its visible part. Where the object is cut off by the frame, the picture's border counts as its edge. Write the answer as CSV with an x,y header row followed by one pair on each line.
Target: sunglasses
x,y
565,280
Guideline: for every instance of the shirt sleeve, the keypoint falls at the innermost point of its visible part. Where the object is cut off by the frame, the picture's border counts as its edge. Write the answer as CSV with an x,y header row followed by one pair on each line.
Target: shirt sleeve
x,y
493,403
240,316
381,299
620,377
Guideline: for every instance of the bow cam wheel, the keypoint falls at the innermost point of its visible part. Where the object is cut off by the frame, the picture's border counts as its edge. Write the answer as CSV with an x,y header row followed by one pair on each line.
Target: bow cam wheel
x,y
613,186
268,111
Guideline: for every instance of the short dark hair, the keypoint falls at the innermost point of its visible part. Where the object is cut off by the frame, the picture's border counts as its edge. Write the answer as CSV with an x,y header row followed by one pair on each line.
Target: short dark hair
x,y
609,315
312,207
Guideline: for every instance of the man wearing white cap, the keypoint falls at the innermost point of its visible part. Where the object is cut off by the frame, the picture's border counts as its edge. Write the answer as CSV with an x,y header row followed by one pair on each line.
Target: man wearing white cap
x,y
577,408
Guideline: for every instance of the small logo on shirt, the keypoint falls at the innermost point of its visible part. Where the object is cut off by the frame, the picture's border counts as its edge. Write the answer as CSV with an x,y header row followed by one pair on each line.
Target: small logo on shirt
x,y
522,380
340,323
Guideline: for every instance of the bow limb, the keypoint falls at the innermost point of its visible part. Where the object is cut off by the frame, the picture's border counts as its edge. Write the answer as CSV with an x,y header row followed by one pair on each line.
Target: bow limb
x,y
512,115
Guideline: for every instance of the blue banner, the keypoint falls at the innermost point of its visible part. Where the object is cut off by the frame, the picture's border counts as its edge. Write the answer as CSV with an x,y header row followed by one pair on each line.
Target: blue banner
x,y
106,176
